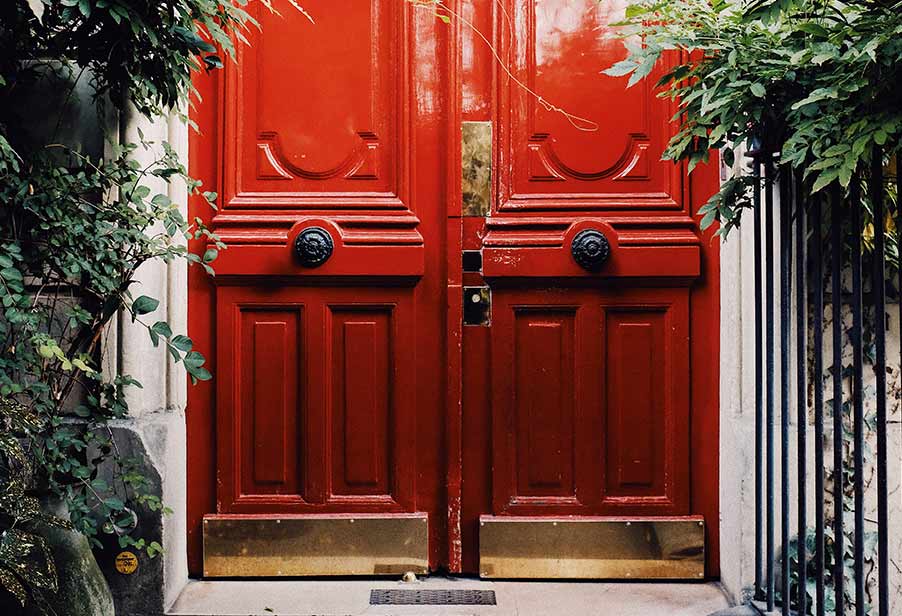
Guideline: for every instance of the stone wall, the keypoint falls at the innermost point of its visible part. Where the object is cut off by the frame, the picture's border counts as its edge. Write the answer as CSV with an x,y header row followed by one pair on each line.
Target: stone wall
x,y
155,429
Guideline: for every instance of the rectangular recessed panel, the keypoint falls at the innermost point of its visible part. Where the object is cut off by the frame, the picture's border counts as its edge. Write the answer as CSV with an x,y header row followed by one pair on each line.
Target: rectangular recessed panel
x,y
327,147
269,413
544,369
599,548
270,338
361,403
637,406
543,163
432,596
306,545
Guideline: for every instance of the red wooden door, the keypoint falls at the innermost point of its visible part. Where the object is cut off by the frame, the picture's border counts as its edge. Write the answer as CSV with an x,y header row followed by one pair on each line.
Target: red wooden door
x,y
326,143
598,400
345,380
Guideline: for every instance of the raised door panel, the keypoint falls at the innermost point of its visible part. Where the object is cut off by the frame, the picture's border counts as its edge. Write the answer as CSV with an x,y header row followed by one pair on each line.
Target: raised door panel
x,y
570,137
590,401
321,124
545,402
361,406
270,412
646,375
315,412
261,386
544,365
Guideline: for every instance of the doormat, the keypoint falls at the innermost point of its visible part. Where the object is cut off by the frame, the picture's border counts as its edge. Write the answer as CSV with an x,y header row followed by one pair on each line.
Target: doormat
x,y
431,597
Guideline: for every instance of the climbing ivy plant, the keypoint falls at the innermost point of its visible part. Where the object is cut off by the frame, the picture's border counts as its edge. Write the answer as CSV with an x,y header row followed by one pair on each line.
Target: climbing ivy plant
x,y
75,227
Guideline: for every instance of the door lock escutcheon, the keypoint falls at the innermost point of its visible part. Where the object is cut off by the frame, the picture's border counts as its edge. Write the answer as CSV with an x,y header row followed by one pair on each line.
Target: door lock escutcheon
x,y
313,246
590,249
477,306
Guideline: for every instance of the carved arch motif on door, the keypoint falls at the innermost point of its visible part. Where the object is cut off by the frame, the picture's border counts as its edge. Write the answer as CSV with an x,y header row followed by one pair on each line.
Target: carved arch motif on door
x,y
544,160
345,143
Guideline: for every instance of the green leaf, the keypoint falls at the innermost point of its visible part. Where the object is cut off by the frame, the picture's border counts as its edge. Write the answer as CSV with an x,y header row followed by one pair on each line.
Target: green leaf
x,y
114,503
194,360
144,305
162,328
200,374
648,63
182,343
624,67
816,95
824,179
82,365
814,29
758,90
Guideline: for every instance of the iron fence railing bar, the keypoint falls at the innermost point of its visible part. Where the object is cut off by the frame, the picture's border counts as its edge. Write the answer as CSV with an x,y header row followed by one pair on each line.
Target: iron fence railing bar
x,y
884,530
769,345
795,232
817,285
785,301
836,299
759,387
878,291
857,398
801,392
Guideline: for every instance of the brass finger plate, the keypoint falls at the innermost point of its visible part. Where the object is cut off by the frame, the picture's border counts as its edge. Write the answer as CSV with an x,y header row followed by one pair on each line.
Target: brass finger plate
x,y
596,548
306,545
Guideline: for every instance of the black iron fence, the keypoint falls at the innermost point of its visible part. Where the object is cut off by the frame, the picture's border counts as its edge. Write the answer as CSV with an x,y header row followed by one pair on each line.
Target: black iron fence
x,y
830,252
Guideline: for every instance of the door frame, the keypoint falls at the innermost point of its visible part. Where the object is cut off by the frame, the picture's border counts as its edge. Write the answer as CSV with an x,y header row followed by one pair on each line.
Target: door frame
x,y
205,163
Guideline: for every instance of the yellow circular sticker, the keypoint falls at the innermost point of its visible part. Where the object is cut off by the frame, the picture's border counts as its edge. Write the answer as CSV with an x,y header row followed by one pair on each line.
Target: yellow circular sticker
x,y
126,563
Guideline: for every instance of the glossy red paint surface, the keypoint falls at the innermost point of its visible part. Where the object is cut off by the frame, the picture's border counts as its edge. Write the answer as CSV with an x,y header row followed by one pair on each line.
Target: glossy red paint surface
x,y
354,387
590,401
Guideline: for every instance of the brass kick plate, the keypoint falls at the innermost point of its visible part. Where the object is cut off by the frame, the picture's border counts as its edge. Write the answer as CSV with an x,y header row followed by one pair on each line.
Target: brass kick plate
x,y
302,545
598,548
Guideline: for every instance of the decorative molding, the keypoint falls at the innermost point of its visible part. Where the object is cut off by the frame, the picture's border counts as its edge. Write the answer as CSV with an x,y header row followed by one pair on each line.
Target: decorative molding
x,y
545,165
649,247
360,164
363,230
263,168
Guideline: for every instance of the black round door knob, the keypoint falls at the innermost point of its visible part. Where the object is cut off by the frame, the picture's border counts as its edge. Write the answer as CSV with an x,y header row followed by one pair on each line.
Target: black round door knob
x,y
313,246
590,249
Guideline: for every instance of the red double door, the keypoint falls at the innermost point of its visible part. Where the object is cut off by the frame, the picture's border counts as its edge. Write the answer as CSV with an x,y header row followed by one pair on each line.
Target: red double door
x,y
351,375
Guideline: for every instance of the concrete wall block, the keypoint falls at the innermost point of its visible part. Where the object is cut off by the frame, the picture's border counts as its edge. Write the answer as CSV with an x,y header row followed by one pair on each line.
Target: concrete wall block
x,y
155,428
138,357
177,271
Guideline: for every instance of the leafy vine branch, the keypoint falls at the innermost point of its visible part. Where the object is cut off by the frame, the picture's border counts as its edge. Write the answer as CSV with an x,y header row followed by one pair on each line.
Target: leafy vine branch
x,y
75,227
